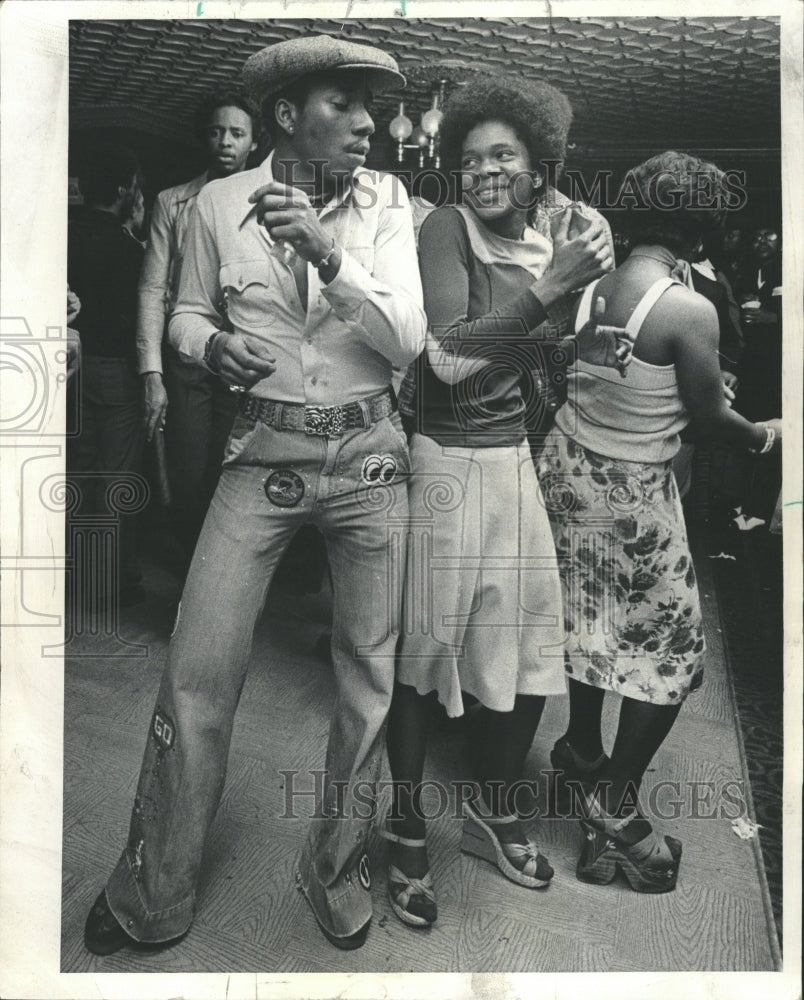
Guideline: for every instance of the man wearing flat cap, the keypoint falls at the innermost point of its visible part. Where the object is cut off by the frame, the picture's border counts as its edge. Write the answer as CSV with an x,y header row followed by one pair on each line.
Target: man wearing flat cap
x,y
310,260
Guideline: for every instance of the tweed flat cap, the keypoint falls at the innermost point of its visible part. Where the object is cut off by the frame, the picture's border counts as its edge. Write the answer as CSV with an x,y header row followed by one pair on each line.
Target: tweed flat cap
x,y
272,69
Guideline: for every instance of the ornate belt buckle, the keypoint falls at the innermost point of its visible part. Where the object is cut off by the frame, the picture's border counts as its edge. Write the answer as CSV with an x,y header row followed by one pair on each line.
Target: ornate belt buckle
x,y
325,421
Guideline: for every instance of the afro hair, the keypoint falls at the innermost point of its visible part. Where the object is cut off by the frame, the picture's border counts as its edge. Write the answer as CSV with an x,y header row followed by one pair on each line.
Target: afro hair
x,y
539,114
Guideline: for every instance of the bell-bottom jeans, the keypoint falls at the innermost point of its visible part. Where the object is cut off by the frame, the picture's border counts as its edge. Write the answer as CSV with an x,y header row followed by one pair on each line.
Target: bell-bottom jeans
x,y
272,482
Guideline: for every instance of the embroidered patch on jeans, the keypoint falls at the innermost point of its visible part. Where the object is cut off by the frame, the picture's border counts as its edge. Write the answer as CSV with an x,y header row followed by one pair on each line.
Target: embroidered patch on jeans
x,y
164,730
284,488
378,469
363,872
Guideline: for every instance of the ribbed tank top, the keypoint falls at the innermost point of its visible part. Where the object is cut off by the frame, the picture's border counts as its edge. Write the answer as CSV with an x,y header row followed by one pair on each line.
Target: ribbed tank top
x,y
637,418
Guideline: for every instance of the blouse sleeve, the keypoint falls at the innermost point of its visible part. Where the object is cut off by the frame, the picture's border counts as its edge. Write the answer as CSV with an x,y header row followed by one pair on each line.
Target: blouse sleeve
x,y
456,345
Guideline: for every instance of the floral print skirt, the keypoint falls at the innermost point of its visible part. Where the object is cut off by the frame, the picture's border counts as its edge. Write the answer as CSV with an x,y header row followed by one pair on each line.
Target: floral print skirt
x,y
631,608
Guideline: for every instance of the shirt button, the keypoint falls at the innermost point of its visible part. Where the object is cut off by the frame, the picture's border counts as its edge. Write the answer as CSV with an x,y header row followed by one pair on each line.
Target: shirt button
x,y
313,380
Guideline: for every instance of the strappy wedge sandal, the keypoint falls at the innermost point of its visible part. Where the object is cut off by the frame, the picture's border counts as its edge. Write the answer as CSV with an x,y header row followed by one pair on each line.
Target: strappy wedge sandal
x,y
650,865
412,899
521,863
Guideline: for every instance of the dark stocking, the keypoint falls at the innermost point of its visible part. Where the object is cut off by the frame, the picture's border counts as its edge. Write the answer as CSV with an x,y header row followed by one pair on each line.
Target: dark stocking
x,y
409,722
583,731
503,740
641,730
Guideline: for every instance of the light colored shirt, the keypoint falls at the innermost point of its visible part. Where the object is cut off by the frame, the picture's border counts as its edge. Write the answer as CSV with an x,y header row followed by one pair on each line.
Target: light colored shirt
x,y
637,418
353,331
161,269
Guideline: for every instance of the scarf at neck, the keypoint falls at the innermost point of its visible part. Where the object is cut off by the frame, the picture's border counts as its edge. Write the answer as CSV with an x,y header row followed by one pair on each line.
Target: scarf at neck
x,y
679,270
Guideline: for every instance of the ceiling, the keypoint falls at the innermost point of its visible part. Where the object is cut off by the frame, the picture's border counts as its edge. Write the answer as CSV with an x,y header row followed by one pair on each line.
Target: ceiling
x,y
634,82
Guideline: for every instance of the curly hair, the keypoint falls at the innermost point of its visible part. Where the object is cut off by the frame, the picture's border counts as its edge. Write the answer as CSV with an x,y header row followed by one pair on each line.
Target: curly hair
x,y
226,99
678,200
538,113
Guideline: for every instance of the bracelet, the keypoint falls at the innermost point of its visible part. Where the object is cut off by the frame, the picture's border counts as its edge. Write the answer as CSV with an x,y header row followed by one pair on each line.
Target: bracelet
x,y
325,259
208,353
770,438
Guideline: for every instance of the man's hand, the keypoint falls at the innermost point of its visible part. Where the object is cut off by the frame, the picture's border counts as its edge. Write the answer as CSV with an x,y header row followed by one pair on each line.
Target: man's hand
x,y
155,404
73,305
760,315
288,216
608,346
242,359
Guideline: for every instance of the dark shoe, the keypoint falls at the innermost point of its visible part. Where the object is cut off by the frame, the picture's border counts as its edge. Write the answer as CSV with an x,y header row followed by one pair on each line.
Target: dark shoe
x,y
565,758
412,899
569,766
521,863
103,934
650,865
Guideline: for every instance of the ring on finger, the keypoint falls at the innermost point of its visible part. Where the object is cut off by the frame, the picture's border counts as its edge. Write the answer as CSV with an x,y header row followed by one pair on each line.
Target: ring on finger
x,y
237,388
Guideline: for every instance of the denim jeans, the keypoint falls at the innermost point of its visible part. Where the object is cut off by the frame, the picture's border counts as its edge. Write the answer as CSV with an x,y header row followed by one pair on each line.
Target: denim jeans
x,y
272,482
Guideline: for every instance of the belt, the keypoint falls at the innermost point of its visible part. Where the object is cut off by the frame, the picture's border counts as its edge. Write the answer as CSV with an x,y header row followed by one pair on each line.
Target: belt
x,y
324,421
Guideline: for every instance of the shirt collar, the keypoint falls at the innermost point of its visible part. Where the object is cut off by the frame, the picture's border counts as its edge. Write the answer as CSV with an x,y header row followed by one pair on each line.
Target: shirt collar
x,y
191,188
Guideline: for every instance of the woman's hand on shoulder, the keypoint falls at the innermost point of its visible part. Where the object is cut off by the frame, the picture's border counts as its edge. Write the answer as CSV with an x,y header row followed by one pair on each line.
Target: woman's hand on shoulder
x,y
576,261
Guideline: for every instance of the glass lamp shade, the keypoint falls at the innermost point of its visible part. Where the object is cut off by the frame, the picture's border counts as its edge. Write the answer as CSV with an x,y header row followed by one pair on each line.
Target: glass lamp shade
x,y
401,126
431,121
419,136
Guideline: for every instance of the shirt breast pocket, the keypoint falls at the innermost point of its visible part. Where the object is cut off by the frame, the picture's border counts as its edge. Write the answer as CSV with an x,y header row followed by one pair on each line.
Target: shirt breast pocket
x,y
249,288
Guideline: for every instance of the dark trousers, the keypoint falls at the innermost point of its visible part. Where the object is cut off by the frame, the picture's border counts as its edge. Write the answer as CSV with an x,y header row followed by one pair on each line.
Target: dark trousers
x,y
108,446
201,411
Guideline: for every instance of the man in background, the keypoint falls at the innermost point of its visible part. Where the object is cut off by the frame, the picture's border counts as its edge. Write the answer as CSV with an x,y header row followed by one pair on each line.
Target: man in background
x,y
103,268
201,408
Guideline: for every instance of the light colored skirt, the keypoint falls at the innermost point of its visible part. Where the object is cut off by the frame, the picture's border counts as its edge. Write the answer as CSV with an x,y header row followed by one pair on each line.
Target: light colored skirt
x,y
482,602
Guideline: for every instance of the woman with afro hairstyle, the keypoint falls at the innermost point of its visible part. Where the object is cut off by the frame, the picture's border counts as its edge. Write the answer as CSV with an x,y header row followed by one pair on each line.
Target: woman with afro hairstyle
x,y
631,602
482,594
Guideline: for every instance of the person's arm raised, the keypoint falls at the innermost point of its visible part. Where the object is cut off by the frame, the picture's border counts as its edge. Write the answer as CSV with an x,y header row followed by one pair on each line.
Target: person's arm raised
x,y
694,344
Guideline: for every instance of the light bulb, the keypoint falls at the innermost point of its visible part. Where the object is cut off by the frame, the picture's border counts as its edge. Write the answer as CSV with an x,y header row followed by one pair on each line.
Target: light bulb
x,y
431,121
418,137
401,126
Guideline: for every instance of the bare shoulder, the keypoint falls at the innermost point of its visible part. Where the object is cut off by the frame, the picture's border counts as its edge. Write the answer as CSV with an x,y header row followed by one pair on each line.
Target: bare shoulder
x,y
683,321
681,308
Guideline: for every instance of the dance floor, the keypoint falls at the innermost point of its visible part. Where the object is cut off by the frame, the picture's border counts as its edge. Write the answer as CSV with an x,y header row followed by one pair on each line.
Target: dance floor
x,y
250,916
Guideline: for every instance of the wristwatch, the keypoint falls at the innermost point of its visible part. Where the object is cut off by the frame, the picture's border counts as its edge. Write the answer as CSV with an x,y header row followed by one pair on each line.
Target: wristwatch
x,y
208,362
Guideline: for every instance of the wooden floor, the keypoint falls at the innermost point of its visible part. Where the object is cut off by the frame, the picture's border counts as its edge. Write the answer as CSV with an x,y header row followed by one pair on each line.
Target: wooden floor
x,y
251,918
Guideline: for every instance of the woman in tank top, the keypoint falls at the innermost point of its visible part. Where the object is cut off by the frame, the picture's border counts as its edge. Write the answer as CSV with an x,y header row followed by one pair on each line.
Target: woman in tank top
x,y
482,609
633,619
